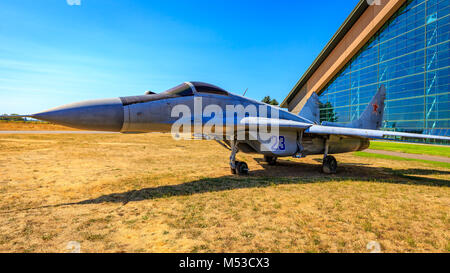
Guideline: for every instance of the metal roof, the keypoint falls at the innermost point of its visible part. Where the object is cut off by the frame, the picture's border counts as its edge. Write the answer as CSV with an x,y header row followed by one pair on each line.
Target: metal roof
x,y
337,37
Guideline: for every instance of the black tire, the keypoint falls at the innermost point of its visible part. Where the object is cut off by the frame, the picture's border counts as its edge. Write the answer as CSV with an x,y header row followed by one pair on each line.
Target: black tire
x,y
233,171
329,165
241,168
271,160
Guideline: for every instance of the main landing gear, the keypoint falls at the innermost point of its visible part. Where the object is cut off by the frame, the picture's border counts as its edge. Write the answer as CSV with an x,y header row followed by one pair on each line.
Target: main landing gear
x,y
237,167
329,163
271,160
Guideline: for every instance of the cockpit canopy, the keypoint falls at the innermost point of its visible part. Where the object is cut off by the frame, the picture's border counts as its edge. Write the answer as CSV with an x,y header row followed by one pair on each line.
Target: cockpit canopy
x,y
181,90
202,87
185,89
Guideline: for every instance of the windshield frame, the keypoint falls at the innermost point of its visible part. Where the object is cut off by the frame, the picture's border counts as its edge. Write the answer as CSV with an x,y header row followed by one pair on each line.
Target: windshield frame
x,y
210,89
181,90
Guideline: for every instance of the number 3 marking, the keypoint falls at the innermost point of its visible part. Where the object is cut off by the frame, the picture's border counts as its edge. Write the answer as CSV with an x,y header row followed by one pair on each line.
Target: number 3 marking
x,y
282,145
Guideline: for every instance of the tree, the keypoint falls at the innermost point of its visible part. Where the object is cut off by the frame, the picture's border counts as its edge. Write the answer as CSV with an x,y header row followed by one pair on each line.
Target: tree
x,y
327,112
12,117
270,101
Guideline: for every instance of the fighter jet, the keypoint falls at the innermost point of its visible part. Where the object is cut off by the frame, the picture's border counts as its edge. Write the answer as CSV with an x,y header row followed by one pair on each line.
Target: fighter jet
x,y
238,123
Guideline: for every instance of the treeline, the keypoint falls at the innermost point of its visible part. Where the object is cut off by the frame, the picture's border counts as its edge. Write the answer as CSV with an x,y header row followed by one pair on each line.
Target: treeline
x,y
269,100
13,117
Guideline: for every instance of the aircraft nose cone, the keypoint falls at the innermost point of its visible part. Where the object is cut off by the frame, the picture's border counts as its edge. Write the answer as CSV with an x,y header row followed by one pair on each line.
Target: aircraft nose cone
x,y
97,115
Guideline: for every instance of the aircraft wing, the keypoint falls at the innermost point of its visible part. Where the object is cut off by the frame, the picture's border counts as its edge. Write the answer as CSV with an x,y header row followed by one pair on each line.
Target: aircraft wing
x,y
257,122
270,122
367,133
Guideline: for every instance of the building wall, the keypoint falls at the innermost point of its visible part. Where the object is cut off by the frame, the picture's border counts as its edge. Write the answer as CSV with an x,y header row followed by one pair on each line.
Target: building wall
x,y
365,27
410,55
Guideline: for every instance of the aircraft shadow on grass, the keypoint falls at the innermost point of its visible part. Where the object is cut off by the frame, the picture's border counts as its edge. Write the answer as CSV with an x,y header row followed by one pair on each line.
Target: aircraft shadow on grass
x,y
285,173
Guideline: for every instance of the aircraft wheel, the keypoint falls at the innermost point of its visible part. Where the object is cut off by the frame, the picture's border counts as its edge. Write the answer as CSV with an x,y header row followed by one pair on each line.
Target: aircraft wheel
x,y
241,168
329,165
233,170
271,160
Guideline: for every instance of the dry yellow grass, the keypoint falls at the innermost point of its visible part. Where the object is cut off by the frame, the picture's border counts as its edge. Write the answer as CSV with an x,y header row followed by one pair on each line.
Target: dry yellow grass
x,y
30,126
149,193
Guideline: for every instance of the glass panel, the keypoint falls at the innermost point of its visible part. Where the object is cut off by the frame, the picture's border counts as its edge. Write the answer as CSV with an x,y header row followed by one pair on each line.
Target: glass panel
x,y
410,55
209,88
181,90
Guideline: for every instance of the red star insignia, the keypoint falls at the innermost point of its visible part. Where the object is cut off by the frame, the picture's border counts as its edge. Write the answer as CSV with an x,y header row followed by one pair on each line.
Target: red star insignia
x,y
375,107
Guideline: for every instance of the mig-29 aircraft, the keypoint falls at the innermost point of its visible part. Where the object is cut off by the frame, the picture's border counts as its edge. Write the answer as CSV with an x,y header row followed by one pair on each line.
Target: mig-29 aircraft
x,y
295,135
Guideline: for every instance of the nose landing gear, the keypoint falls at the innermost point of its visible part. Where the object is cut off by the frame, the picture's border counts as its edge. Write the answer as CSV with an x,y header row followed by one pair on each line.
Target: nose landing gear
x,y
237,167
241,168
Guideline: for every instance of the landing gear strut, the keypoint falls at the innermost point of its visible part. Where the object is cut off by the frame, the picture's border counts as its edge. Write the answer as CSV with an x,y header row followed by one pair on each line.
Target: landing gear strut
x,y
272,160
329,163
237,167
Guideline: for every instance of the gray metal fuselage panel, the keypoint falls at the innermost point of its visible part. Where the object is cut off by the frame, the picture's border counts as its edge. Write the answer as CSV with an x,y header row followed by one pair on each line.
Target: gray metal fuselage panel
x,y
144,115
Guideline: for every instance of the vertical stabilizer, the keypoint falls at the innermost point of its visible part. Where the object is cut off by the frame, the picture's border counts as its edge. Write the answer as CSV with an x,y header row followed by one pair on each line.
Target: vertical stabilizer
x,y
372,117
310,110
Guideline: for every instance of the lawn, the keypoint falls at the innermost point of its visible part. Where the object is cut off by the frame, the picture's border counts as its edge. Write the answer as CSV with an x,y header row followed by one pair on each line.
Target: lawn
x,y
411,148
150,193
31,126
390,157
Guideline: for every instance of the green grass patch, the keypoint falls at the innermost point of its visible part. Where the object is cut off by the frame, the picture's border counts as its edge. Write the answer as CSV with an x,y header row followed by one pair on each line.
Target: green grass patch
x,y
390,157
411,148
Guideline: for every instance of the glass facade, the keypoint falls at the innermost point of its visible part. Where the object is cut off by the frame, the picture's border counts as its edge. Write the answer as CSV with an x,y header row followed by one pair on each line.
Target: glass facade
x,y
410,55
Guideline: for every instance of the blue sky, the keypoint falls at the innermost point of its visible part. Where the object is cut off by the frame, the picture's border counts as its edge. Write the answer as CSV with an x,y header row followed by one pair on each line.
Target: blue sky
x,y
52,53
